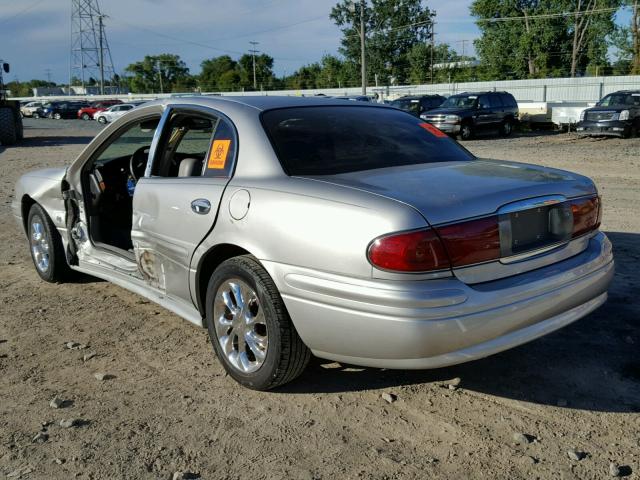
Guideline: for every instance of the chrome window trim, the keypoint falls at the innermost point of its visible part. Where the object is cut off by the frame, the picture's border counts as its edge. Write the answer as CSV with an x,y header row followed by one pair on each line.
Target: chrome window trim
x,y
166,115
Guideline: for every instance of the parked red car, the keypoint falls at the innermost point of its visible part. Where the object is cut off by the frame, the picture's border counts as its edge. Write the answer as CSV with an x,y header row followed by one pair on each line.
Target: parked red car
x,y
87,113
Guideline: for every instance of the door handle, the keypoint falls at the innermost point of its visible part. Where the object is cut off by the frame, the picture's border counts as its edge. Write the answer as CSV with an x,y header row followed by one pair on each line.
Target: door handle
x,y
201,206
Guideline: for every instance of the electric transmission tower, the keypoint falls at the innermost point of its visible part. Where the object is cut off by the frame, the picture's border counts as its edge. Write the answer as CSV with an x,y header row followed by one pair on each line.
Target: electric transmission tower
x,y
90,54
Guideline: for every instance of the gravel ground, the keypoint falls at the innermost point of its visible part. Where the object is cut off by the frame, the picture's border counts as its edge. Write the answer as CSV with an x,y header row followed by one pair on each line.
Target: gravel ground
x,y
565,406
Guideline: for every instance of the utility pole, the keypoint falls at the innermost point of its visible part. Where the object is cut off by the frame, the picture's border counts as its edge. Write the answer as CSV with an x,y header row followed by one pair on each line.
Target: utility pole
x,y
47,72
363,60
160,75
100,33
433,41
253,56
353,8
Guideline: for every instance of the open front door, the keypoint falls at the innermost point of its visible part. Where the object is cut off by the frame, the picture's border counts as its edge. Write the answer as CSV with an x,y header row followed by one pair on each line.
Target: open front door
x,y
176,202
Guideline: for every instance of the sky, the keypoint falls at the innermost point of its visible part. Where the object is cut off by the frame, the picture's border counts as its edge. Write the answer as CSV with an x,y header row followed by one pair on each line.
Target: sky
x,y
35,34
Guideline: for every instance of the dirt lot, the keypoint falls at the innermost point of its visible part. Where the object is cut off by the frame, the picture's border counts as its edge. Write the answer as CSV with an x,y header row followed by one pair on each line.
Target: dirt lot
x,y
168,406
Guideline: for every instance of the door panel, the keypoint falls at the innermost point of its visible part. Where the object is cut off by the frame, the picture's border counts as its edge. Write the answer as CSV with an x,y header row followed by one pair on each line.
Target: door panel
x,y
166,230
176,203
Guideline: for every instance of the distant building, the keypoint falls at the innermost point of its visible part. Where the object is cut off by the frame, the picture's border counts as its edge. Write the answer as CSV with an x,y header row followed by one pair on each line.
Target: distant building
x,y
47,91
95,90
461,64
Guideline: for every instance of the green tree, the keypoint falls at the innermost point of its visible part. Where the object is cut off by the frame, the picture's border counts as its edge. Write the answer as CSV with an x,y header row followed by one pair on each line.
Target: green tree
x,y
526,47
626,40
393,28
264,71
160,73
220,73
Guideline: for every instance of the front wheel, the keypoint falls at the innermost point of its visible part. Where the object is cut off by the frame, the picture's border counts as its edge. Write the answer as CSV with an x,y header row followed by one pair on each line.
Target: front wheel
x,y
86,116
249,327
102,120
46,247
36,115
57,116
466,132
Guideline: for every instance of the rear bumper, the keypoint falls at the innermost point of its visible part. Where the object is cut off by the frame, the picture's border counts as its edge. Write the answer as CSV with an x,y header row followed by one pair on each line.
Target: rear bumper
x,y
433,323
614,128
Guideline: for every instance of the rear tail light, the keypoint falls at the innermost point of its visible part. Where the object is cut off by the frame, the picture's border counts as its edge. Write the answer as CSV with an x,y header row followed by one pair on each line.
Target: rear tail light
x,y
586,215
418,251
427,250
464,243
471,242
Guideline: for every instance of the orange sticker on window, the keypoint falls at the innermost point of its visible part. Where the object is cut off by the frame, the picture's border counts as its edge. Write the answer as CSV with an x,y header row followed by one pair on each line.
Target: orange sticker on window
x,y
218,154
434,130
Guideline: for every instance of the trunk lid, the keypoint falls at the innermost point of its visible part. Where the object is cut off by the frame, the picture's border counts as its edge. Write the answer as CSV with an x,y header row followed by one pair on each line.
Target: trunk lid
x,y
453,191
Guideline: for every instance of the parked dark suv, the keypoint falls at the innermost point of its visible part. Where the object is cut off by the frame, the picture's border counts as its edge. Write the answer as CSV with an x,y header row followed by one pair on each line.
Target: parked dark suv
x,y
466,114
60,110
617,114
418,104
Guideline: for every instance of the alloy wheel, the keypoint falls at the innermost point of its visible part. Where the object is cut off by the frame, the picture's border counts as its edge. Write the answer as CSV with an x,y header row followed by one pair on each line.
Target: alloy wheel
x,y
39,245
240,325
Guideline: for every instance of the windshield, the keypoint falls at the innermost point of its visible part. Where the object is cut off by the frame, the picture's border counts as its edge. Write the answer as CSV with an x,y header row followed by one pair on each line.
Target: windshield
x,y
336,139
620,99
406,104
458,101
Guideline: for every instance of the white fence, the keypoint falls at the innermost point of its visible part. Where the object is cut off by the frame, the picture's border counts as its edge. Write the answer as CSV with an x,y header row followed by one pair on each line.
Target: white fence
x,y
585,89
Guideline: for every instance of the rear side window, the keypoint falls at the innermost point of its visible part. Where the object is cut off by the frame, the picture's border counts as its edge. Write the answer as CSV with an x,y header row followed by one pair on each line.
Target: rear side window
x,y
508,100
496,101
336,139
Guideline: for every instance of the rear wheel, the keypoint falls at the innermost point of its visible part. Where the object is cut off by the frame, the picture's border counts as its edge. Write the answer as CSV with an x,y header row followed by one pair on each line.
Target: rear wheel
x,y
466,131
8,127
35,115
86,116
249,327
47,251
507,128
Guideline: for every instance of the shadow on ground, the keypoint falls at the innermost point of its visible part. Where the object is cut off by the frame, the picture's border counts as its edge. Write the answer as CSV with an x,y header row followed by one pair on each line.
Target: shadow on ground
x,y
592,364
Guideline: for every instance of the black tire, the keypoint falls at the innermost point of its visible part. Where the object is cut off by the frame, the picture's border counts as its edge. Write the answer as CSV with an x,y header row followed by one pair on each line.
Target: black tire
x,y
8,127
86,116
466,132
35,115
56,116
102,120
57,270
286,356
19,128
506,129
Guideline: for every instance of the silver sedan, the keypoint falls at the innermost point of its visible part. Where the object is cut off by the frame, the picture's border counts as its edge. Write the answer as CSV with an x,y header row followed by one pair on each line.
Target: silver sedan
x,y
296,226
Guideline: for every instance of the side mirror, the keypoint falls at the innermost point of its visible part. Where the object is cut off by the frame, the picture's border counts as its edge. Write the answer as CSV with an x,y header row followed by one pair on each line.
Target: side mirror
x,y
5,67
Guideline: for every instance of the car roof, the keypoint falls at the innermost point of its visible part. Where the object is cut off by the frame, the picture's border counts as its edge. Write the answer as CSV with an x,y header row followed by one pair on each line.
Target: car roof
x,y
624,92
418,97
262,102
479,93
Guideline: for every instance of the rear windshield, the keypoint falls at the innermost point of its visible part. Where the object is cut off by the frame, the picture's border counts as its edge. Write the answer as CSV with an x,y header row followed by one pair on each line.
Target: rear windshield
x,y
335,139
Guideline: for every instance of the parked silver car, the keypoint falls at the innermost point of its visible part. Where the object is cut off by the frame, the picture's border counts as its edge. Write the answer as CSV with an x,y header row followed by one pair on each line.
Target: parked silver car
x,y
289,226
113,113
30,108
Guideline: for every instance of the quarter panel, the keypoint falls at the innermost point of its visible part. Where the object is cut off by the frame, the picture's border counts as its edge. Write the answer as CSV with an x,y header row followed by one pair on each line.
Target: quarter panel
x,y
309,224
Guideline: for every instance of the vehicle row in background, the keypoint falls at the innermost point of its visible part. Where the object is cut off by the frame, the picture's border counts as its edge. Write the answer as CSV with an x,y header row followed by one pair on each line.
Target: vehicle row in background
x,y
87,113
103,111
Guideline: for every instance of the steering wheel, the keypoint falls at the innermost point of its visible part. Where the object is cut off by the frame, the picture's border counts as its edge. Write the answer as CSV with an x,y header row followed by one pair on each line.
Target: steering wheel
x,y
138,162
